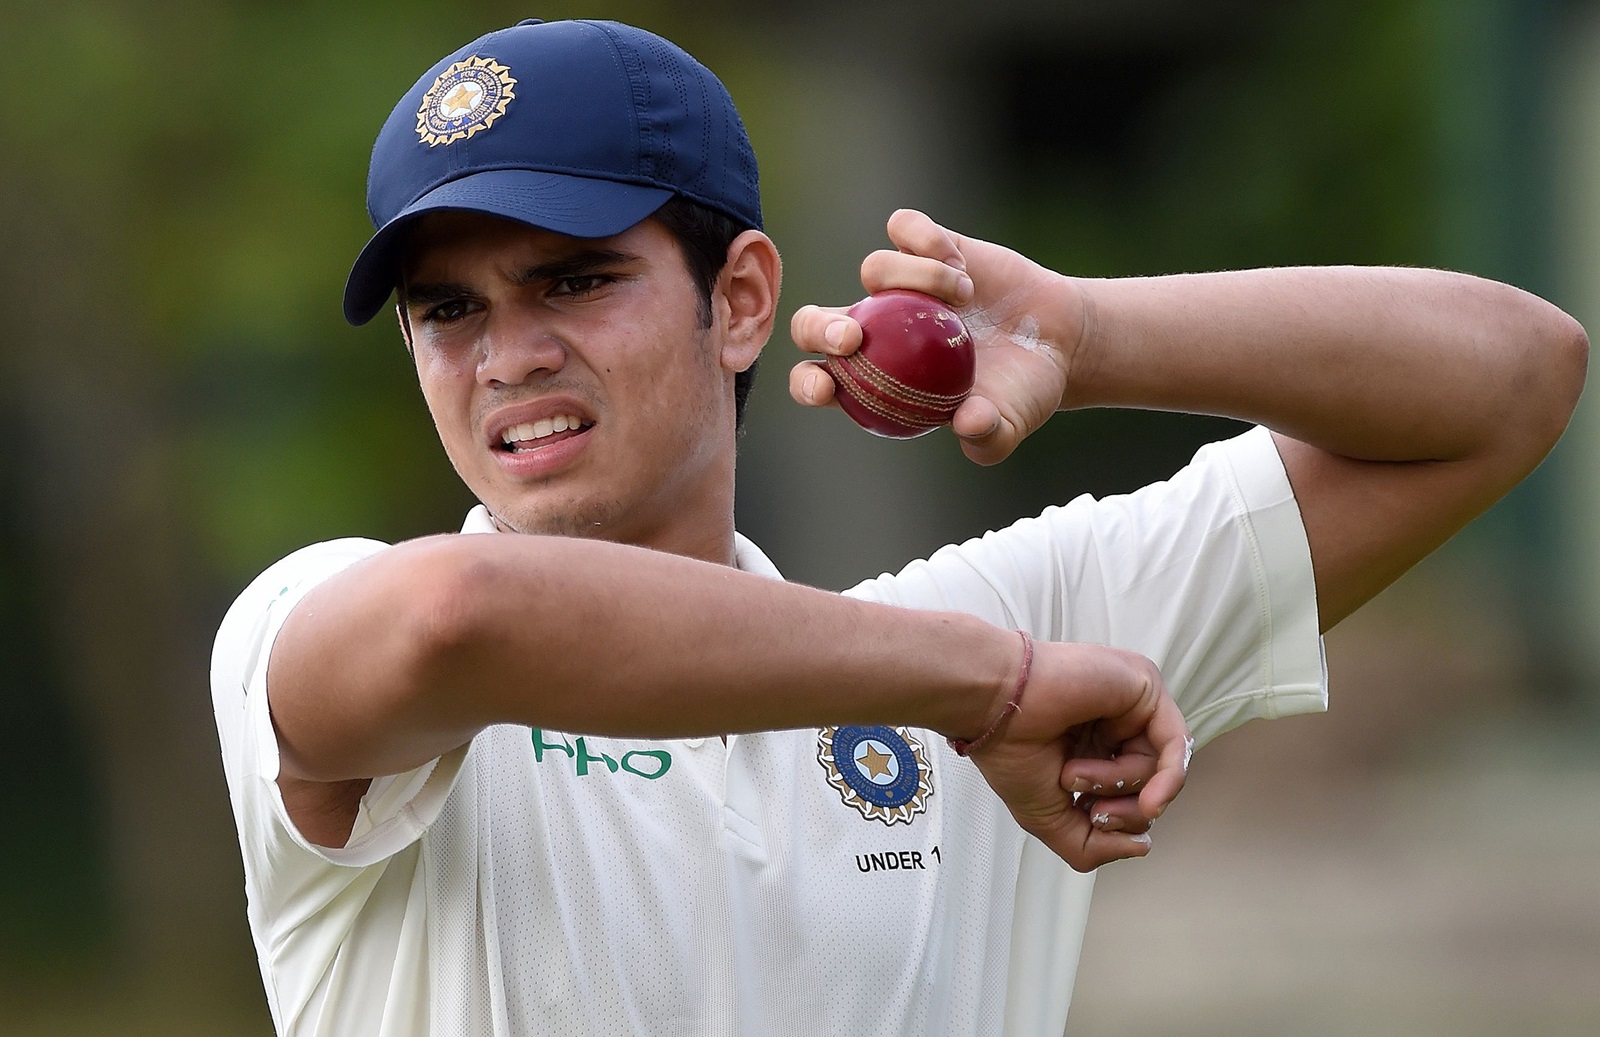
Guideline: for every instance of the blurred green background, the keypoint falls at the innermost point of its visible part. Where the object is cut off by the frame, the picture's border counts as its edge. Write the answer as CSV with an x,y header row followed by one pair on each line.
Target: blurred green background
x,y
181,190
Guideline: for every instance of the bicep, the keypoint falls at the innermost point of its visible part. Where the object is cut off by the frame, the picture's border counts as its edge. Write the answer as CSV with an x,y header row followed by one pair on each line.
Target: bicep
x,y
1367,522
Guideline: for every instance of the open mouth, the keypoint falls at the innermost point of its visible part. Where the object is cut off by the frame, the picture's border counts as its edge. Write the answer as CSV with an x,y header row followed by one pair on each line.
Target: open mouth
x,y
529,436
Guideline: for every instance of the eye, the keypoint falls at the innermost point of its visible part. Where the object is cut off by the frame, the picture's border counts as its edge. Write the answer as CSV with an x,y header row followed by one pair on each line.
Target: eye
x,y
580,284
448,311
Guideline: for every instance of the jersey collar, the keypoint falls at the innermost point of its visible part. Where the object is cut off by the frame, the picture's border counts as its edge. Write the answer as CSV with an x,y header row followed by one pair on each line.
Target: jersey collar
x,y
746,555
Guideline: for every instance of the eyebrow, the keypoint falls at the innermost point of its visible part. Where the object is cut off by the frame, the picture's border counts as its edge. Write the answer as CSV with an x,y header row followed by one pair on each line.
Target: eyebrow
x,y
577,263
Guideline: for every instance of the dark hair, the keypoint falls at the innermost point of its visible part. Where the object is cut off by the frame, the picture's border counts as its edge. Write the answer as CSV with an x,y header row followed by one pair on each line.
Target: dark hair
x,y
703,236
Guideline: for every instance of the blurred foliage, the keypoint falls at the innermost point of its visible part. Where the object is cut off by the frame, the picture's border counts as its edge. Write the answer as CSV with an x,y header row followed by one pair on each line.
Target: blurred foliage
x,y
1309,136
53,890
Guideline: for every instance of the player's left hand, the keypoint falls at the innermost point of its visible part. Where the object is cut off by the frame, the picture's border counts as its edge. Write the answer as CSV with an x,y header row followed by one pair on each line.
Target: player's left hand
x,y
1107,783
1091,715
1027,324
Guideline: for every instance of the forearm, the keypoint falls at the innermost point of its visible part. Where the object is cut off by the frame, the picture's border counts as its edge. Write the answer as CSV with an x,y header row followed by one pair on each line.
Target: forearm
x,y
409,654
1369,363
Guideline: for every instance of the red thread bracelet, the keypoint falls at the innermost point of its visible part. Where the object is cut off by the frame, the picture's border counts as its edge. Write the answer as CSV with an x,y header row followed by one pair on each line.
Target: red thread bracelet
x,y
966,748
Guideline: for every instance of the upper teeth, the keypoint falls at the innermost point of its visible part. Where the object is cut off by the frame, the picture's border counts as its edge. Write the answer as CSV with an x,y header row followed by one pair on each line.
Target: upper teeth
x,y
541,428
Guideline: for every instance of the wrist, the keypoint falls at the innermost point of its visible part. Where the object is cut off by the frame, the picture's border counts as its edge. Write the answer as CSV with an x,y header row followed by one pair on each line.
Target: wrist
x,y
990,665
1073,311
1012,705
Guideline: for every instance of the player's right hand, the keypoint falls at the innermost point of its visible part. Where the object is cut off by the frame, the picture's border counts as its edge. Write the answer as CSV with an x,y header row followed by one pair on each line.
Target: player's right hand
x,y
1027,323
1090,715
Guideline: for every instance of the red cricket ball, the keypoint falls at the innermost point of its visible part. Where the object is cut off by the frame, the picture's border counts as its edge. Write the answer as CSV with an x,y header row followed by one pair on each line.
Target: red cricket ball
x,y
913,369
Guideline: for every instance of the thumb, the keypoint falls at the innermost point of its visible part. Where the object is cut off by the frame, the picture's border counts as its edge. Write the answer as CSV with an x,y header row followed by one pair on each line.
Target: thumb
x,y
986,436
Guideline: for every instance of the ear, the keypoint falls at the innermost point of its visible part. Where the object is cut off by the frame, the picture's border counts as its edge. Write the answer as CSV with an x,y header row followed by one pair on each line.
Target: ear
x,y
746,298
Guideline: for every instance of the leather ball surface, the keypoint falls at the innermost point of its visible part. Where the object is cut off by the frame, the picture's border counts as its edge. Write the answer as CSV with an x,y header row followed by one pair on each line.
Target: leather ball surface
x,y
914,368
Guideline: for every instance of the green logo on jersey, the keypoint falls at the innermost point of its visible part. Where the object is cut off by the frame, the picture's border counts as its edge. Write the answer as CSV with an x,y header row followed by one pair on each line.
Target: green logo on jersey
x,y
645,763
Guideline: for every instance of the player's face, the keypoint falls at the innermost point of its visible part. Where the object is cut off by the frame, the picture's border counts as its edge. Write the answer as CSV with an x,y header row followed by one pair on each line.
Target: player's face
x,y
573,383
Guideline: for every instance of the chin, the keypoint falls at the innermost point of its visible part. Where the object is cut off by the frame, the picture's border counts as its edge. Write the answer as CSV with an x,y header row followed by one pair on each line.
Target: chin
x,y
592,519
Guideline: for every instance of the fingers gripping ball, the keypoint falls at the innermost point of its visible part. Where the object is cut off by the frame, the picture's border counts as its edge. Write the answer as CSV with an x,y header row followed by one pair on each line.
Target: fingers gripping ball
x,y
913,369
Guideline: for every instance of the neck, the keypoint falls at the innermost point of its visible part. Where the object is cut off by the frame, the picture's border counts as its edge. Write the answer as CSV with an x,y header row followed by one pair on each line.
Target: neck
x,y
707,537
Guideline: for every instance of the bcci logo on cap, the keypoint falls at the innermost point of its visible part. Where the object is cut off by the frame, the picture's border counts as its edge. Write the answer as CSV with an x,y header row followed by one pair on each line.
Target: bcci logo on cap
x,y
467,97
881,771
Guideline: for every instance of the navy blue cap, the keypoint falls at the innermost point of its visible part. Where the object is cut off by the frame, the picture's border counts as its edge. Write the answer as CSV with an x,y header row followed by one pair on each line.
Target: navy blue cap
x,y
578,127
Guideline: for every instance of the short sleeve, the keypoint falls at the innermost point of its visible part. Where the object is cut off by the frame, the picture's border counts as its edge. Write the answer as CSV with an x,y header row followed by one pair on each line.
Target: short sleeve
x,y
1208,574
395,809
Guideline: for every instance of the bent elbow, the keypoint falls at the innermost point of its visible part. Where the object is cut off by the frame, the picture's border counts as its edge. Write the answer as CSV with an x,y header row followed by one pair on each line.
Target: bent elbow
x,y
366,675
1575,358
1564,359
399,677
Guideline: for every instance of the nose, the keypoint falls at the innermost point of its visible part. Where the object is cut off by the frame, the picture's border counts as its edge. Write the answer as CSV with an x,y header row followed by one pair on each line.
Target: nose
x,y
516,349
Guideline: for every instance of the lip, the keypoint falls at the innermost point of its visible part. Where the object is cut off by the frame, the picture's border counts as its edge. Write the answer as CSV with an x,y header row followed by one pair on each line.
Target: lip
x,y
529,412
542,460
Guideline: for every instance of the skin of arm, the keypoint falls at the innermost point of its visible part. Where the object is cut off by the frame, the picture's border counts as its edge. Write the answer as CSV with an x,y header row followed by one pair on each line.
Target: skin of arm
x,y
1404,402
408,654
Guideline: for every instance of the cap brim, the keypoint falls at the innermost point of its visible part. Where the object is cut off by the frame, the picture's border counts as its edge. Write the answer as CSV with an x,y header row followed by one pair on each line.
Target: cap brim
x,y
556,202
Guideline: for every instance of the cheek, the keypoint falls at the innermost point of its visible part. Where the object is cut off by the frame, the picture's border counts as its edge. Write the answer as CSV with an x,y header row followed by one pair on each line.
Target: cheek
x,y
447,390
680,389
688,409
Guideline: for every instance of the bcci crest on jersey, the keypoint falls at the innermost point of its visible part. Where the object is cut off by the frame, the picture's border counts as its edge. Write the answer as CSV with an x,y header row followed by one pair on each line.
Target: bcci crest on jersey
x,y
467,97
881,771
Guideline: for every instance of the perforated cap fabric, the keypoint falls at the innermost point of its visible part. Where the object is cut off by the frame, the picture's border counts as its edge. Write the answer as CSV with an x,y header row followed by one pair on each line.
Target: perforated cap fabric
x,y
579,127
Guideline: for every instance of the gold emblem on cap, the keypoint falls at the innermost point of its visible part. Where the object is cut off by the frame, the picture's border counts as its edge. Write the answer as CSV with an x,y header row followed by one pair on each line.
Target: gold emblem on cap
x,y
467,97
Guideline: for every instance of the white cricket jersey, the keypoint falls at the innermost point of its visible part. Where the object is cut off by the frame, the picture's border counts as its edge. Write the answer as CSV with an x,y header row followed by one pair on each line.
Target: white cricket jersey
x,y
854,880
